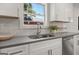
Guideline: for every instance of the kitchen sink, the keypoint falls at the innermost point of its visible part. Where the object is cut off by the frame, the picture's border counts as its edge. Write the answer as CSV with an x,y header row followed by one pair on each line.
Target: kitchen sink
x,y
41,36
48,35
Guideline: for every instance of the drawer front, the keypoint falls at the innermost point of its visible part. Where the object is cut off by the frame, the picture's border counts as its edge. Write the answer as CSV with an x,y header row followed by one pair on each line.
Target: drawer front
x,y
18,50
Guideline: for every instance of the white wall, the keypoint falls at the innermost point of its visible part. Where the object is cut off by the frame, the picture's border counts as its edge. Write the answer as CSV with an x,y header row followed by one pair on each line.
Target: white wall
x,y
8,24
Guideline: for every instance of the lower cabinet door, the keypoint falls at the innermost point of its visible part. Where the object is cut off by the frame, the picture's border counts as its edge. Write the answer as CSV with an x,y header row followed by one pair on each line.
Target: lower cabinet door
x,y
49,47
76,45
39,52
18,50
57,51
42,51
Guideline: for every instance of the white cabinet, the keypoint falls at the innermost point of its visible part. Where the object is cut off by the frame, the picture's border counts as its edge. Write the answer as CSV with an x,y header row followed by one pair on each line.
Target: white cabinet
x,y
76,45
16,50
61,11
49,47
52,11
9,9
69,12
68,45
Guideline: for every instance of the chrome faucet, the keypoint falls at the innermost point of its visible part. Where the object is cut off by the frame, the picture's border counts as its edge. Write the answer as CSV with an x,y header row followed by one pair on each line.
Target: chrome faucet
x,y
38,29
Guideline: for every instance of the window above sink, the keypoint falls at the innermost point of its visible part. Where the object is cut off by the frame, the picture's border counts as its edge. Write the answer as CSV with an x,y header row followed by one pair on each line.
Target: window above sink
x,y
32,13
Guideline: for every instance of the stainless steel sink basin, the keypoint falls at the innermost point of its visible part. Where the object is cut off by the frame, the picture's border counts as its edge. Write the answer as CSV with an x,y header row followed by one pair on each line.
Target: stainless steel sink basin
x,y
41,36
48,35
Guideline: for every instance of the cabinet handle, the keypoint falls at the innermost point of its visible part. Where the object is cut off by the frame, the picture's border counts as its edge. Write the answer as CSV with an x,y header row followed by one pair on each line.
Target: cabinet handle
x,y
15,52
3,53
50,52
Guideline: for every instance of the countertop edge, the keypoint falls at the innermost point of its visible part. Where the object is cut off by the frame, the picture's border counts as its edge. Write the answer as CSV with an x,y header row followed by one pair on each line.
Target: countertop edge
x,y
30,42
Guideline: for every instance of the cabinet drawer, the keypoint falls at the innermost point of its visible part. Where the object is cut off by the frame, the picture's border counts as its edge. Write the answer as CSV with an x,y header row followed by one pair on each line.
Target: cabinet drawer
x,y
23,49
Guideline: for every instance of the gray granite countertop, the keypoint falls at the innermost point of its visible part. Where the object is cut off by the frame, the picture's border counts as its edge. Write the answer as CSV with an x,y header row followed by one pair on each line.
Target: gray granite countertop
x,y
22,40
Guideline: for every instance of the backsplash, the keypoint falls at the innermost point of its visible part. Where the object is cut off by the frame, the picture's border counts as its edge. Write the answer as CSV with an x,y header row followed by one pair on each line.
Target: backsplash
x,y
58,24
13,25
8,25
31,31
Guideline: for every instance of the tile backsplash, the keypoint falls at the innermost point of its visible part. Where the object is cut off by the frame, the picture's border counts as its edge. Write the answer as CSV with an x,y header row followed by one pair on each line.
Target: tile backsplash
x,y
58,24
8,25
31,31
13,25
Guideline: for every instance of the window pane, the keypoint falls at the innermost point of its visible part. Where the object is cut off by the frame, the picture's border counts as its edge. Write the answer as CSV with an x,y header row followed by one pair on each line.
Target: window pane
x,y
33,13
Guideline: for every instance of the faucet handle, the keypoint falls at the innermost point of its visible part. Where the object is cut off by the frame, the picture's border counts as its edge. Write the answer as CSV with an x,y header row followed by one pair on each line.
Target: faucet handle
x,y
40,27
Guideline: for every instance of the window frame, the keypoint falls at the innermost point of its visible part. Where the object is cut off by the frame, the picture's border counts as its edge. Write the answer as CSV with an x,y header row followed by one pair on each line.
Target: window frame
x,y
21,17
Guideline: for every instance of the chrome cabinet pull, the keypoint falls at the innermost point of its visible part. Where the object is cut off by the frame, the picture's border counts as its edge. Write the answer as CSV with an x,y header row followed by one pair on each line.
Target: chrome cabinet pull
x,y
15,52
3,53
50,52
